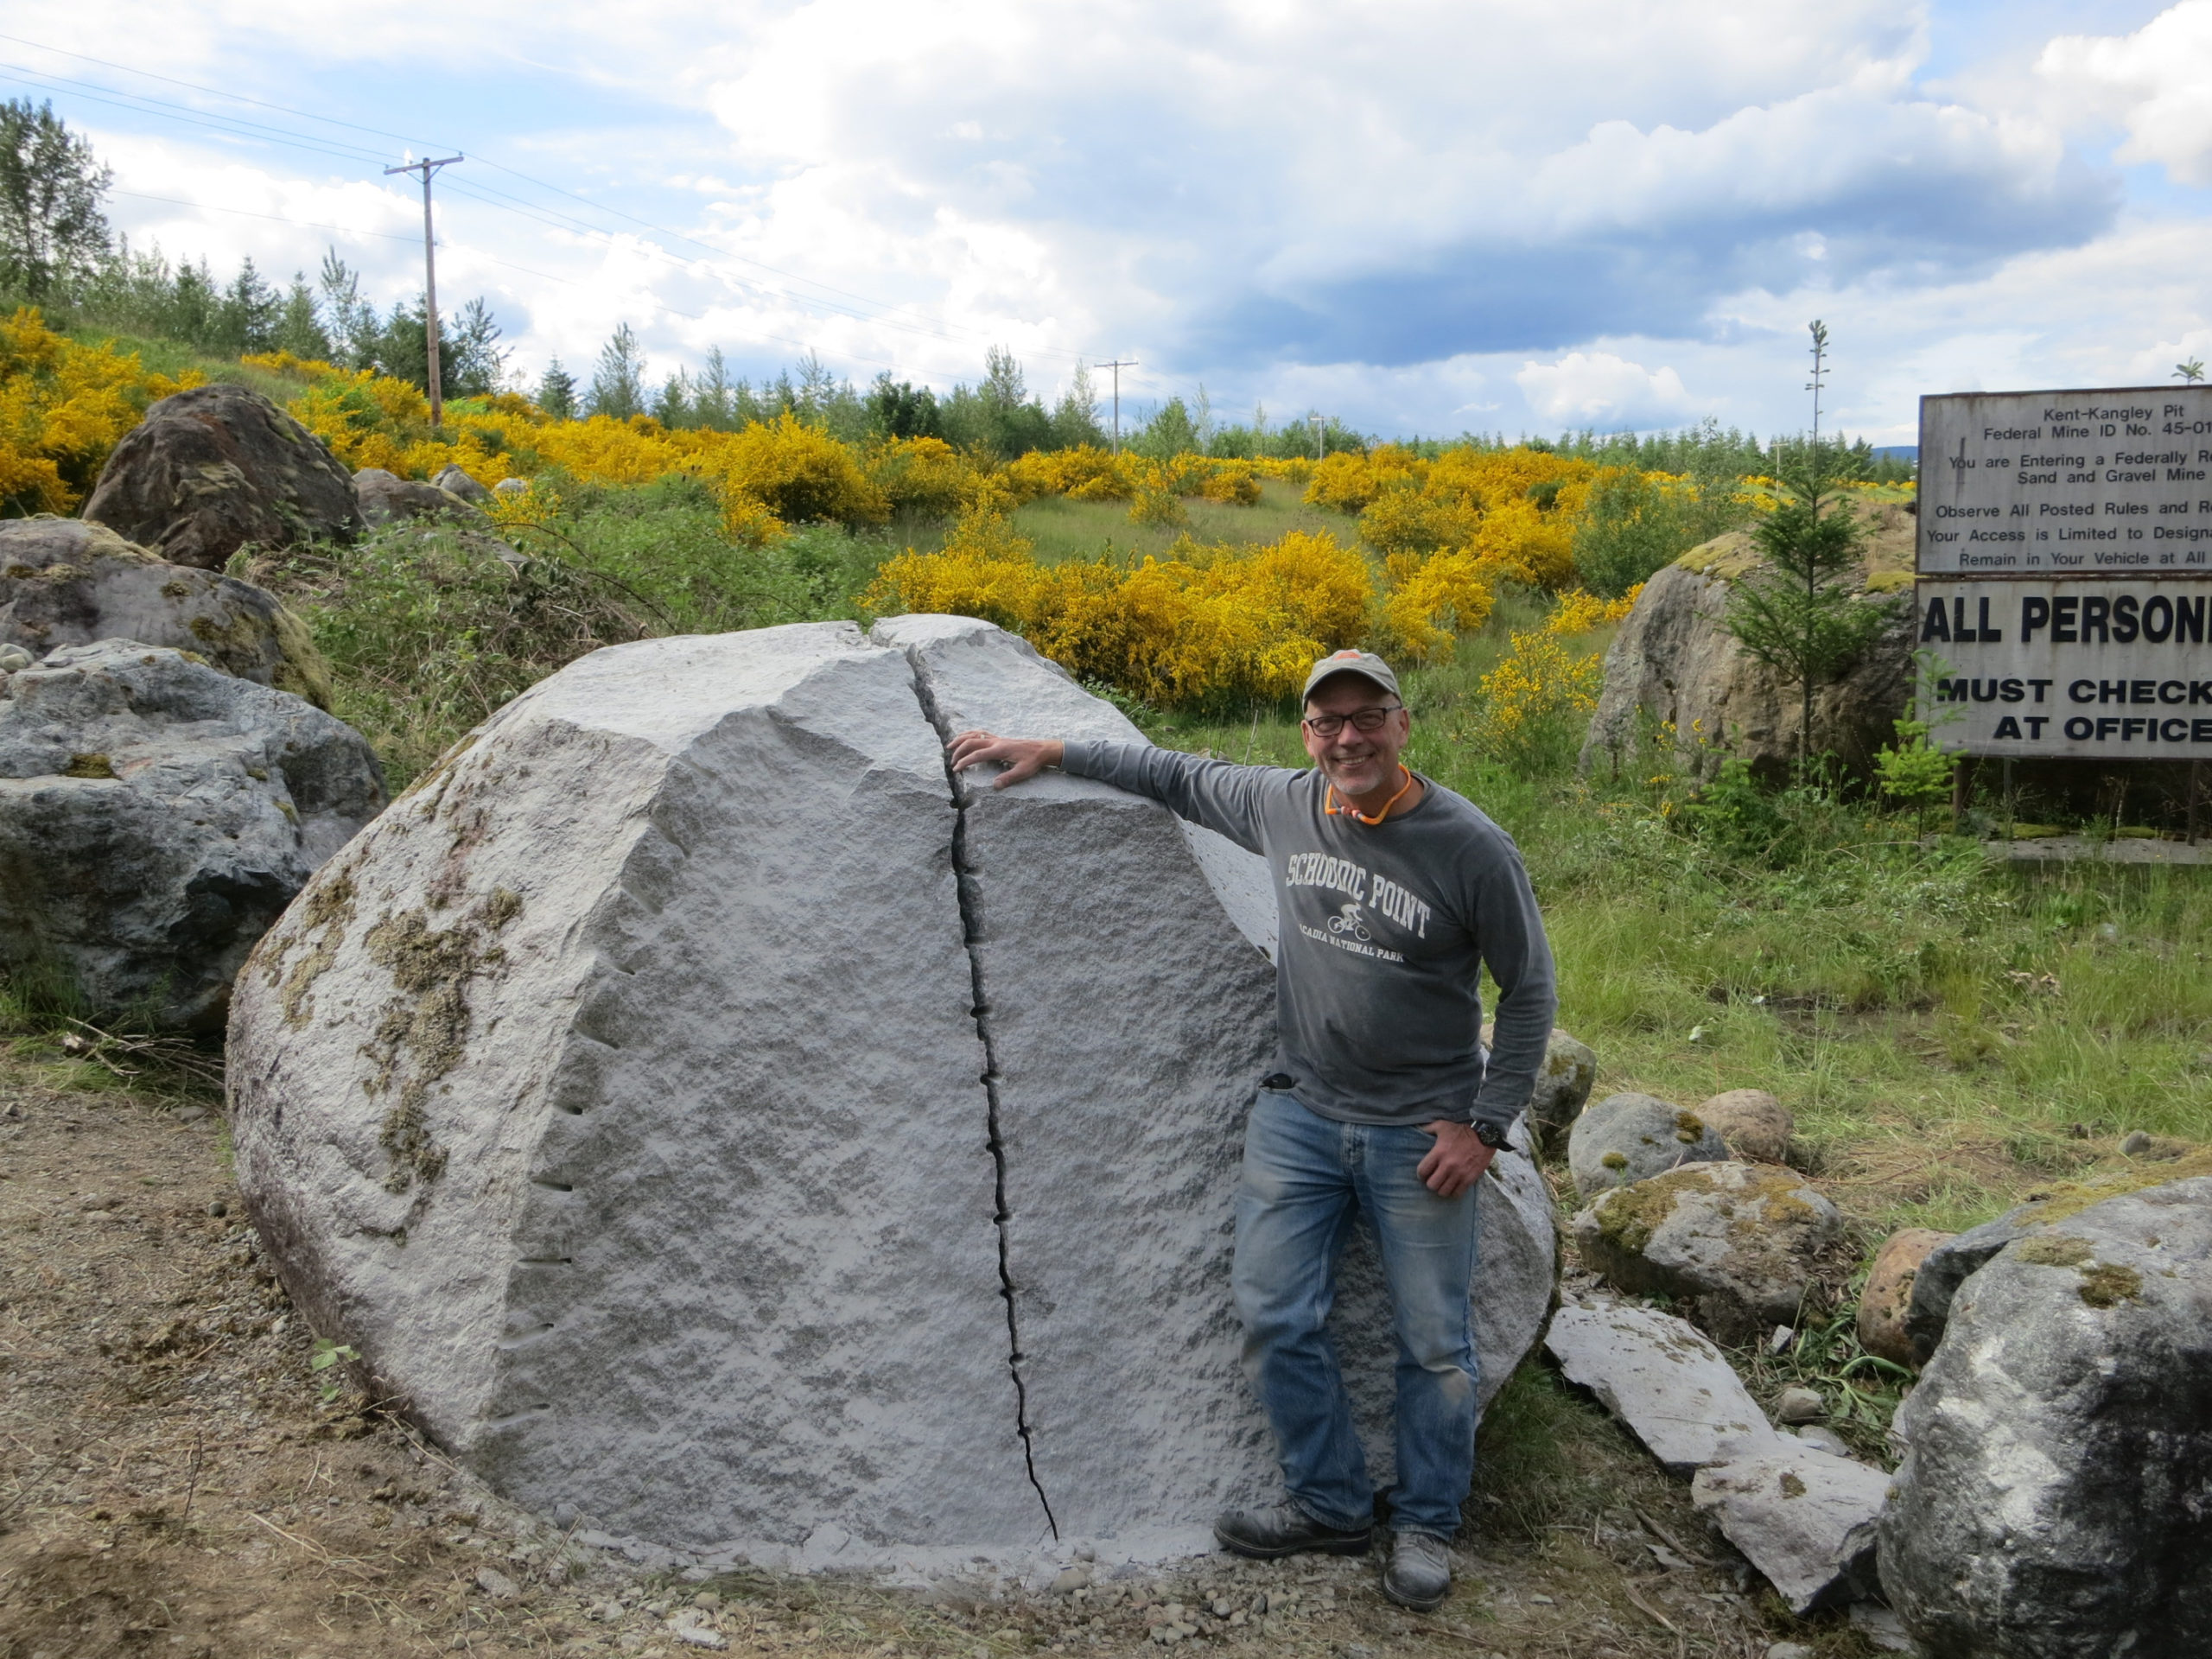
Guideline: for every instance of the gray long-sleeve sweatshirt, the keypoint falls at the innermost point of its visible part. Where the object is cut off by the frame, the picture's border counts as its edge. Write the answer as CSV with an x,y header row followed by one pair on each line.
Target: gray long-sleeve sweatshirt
x,y
1383,928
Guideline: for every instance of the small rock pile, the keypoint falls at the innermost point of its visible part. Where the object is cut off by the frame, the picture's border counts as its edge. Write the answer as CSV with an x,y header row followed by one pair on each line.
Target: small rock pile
x,y
2054,1497
1697,1206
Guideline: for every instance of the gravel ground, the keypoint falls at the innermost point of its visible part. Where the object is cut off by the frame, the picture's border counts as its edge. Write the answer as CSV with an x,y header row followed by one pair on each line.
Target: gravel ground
x,y
177,1480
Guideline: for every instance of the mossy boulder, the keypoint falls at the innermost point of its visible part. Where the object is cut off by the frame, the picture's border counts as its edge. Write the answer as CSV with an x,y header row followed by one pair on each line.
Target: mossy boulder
x,y
1743,1244
1627,1138
217,468
1676,672
64,582
2056,1495
156,817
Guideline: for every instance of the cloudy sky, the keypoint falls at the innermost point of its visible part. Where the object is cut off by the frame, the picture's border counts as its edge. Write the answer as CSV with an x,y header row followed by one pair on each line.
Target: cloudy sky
x,y
1491,215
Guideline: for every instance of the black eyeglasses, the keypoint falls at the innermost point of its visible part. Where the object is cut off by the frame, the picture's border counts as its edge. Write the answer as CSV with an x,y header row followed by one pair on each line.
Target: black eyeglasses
x,y
1363,719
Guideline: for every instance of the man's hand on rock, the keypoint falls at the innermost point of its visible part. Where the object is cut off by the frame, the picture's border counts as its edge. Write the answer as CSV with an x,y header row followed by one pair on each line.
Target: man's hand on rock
x,y
1022,756
1456,1162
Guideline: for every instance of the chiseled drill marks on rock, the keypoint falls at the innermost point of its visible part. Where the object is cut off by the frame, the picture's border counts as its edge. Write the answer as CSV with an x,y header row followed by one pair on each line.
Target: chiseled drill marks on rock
x,y
712,1259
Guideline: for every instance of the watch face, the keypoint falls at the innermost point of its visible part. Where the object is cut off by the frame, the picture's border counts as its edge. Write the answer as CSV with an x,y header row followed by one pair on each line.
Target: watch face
x,y
1491,1136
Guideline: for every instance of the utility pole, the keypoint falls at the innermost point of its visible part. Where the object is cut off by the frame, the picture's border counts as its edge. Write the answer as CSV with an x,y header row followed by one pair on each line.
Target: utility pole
x,y
429,279
1117,365
1320,425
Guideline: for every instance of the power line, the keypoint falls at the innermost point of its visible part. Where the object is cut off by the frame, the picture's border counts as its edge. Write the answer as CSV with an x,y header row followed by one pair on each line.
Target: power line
x,y
304,224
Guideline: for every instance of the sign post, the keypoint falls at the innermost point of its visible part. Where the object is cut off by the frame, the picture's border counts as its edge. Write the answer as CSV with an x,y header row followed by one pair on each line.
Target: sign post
x,y
2064,565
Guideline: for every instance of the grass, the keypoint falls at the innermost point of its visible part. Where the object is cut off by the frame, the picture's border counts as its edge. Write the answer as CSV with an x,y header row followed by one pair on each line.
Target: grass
x,y
1083,529
172,357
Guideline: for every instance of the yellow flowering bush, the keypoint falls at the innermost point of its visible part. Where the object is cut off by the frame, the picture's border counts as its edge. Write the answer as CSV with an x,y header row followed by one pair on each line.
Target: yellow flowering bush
x,y
922,475
1432,599
62,407
1536,699
1201,624
1578,610
1404,519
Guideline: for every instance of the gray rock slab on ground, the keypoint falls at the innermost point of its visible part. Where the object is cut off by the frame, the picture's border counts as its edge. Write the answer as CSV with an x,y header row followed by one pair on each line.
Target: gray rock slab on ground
x,y
626,1113
1804,1517
65,581
1108,1147
1628,1137
1745,1241
216,468
156,817
1664,1381
2056,1497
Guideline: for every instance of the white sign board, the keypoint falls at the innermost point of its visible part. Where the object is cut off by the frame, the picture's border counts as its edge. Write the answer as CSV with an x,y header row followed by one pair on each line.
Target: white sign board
x,y
2089,483
2086,669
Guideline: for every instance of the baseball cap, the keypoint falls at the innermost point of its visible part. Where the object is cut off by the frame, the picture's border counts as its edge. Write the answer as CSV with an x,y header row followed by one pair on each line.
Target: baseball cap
x,y
1366,664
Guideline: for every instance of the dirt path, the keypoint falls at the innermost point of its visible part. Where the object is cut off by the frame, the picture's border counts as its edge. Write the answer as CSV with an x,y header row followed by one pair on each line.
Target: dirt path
x,y
174,1483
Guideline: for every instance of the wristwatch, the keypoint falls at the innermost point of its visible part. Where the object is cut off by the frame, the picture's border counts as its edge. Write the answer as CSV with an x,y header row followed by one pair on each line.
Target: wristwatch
x,y
1491,1135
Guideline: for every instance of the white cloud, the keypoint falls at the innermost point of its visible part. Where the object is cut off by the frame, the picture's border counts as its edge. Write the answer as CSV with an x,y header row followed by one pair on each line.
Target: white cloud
x,y
1596,388
2156,83
1386,213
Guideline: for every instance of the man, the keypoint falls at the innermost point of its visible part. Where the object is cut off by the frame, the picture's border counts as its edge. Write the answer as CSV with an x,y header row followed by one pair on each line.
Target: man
x,y
1392,893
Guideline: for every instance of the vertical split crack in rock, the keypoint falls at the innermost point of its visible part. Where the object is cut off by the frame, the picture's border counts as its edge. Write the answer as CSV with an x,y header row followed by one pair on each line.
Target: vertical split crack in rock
x,y
964,877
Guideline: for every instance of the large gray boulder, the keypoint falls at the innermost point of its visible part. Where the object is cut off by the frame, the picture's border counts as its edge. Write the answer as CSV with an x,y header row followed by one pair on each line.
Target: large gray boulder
x,y
1674,669
1744,1243
155,815
64,582
1631,1137
2056,1498
218,467
709,1118
1949,1264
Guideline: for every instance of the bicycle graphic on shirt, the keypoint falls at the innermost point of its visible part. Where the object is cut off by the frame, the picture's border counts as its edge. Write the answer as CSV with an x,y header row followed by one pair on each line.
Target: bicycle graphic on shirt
x,y
1349,922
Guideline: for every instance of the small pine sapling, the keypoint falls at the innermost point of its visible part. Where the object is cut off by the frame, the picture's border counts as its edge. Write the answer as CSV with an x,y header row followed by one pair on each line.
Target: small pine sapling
x,y
1797,616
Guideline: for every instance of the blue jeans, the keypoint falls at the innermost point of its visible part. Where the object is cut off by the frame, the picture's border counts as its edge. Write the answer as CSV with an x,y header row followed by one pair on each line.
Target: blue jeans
x,y
1306,1179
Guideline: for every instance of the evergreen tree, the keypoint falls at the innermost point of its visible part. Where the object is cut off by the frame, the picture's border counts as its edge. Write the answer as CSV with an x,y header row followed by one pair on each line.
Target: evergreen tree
x,y
471,362
556,391
1798,616
713,403
52,231
356,336
897,409
299,329
617,386
247,315
672,408
1075,417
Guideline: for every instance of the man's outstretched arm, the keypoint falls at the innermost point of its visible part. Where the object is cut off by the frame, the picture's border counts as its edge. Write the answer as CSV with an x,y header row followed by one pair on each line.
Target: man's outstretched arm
x,y
1226,799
